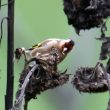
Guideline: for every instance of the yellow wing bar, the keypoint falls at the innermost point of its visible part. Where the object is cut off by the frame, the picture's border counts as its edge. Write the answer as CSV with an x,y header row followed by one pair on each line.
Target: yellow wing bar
x,y
36,45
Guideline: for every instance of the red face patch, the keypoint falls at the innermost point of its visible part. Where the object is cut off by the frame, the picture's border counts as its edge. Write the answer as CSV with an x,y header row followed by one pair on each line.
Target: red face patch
x,y
69,45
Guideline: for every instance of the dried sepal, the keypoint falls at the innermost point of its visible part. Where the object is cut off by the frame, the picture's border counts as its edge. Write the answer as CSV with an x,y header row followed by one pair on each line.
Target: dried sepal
x,y
105,48
108,66
90,79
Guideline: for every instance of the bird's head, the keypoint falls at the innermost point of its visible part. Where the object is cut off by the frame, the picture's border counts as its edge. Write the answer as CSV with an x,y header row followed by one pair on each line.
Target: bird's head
x,y
66,45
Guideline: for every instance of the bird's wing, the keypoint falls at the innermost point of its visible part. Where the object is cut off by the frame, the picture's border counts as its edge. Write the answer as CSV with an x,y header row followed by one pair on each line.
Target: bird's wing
x,y
35,46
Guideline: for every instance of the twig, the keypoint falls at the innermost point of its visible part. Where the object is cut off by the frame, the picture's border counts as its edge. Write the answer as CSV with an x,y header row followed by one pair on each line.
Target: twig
x,y
26,105
2,28
7,3
104,28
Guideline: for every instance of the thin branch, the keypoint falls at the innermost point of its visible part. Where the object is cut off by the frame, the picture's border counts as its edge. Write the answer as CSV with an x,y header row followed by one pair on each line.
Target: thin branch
x,y
0,4
2,28
7,3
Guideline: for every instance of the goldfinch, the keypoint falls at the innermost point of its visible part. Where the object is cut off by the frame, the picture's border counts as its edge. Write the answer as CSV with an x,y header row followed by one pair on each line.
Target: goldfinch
x,y
43,49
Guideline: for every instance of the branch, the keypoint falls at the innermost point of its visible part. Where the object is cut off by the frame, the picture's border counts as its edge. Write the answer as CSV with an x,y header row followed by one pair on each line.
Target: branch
x,y
2,27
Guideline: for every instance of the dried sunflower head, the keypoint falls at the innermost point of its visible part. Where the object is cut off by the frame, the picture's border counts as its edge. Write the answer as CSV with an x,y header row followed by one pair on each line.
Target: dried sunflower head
x,y
41,81
90,79
86,14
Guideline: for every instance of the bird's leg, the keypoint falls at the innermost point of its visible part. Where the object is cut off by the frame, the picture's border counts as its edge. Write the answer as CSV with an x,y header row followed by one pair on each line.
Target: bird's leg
x,y
25,57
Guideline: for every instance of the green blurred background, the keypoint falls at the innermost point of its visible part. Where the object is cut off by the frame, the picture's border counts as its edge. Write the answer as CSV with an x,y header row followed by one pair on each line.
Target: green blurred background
x,y
36,20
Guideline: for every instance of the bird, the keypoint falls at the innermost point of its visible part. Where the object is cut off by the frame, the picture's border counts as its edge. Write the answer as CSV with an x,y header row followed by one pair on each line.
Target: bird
x,y
52,52
42,50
